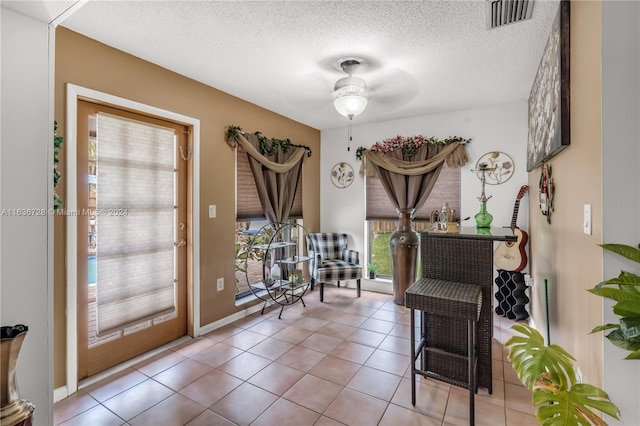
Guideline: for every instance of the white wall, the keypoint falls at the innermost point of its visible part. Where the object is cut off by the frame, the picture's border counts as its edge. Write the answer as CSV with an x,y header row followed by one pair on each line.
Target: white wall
x,y
621,180
25,176
497,128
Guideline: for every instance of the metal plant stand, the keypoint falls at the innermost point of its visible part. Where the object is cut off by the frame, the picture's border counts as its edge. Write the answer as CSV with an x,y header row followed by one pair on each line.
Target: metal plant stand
x,y
282,282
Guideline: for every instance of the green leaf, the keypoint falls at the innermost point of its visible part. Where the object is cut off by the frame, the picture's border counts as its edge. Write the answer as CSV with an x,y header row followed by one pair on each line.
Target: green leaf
x,y
630,327
530,358
605,327
627,308
574,406
625,278
618,338
634,355
615,293
629,252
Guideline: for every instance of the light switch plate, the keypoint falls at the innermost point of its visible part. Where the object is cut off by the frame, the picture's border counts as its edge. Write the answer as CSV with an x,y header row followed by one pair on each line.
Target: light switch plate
x,y
587,219
212,210
220,284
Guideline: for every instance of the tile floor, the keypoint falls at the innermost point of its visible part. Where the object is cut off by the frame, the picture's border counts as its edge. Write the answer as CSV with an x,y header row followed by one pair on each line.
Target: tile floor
x,y
345,361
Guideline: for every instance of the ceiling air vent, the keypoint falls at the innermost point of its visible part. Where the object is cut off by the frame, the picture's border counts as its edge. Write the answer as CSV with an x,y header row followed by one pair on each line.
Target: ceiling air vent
x,y
504,12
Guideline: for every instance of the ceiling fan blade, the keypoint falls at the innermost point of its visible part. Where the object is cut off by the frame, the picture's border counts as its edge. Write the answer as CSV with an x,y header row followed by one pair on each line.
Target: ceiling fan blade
x,y
393,88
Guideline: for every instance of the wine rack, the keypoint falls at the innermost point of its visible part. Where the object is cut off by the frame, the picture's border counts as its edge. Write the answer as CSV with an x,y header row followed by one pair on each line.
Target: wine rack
x,y
511,295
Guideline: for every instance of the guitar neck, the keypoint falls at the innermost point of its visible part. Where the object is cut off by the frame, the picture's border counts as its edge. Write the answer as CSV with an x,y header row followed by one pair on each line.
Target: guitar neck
x,y
514,219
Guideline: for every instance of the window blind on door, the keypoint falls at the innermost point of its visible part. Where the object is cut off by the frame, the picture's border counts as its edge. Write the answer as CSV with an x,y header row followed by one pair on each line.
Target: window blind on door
x,y
135,219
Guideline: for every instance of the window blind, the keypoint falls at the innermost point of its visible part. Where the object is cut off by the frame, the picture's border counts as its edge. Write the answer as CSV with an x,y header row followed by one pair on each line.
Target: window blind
x,y
134,221
248,206
446,189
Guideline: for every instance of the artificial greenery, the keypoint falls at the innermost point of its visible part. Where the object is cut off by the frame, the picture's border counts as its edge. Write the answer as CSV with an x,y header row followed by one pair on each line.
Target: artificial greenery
x,y
247,251
267,146
408,144
625,291
57,144
548,372
372,267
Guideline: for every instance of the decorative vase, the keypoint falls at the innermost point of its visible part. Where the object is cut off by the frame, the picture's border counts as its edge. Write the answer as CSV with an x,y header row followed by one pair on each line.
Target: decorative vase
x,y
276,273
483,217
403,244
13,409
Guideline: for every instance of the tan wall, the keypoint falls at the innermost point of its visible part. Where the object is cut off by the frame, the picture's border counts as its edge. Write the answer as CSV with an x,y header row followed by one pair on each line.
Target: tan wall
x,y
93,65
570,260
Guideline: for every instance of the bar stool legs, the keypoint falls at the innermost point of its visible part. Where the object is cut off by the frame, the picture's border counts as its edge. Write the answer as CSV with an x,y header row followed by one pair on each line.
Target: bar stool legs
x,y
472,363
446,309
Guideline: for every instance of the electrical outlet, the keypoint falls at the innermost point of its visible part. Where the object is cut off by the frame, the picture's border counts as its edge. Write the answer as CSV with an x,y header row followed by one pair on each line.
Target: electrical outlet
x,y
220,284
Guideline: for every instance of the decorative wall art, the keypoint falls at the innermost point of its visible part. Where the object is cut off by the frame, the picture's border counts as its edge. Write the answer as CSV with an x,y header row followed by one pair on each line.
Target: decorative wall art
x,y
546,189
549,97
342,175
499,167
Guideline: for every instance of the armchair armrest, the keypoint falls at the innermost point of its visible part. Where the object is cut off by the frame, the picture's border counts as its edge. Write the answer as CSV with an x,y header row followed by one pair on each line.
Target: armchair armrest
x,y
351,256
315,261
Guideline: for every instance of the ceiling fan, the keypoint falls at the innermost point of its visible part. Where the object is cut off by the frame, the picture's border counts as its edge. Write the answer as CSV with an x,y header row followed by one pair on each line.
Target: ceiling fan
x,y
387,88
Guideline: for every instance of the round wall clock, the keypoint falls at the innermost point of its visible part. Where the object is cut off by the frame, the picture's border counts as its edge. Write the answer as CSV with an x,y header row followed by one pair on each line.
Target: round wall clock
x,y
342,175
499,167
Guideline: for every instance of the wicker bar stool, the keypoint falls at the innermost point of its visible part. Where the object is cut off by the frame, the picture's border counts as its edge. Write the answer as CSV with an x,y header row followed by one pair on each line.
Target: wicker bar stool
x,y
449,309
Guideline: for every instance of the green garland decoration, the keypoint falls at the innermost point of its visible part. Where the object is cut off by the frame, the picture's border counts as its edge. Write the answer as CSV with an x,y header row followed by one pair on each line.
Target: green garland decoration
x,y
267,147
408,144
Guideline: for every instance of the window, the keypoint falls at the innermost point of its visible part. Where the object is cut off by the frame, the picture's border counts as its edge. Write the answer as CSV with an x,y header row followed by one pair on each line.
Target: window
x,y
382,218
249,219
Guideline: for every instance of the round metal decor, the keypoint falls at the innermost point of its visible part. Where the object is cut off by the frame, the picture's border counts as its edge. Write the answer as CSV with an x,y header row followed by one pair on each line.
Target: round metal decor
x,y
499,167
342,175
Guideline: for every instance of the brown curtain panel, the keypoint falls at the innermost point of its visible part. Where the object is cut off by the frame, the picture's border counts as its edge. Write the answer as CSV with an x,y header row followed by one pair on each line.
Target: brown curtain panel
x,y
409,183
276,176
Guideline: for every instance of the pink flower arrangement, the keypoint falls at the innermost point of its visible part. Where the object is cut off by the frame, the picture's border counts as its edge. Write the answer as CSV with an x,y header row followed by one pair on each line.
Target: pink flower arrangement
x,y
408,144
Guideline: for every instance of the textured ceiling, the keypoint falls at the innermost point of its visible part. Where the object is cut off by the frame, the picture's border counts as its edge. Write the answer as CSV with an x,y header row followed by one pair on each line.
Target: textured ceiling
x,y
422,57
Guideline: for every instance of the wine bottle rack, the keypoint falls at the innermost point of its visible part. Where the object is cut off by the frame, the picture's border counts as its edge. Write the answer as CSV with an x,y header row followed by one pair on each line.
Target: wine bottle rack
x,y
511,296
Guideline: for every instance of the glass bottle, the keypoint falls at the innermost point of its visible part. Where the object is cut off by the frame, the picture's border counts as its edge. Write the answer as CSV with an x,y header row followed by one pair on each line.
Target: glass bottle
x,y
483,217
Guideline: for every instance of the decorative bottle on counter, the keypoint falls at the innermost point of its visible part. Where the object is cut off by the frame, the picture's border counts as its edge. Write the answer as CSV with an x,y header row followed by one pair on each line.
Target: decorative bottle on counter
x,y
483,217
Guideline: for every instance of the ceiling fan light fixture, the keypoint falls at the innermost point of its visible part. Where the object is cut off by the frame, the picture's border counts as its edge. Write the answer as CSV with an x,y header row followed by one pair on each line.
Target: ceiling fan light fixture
x,y
350,101
350,96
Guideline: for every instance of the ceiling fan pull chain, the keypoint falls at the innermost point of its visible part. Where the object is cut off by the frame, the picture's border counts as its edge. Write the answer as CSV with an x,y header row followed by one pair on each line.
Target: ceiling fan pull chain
x,y
350,138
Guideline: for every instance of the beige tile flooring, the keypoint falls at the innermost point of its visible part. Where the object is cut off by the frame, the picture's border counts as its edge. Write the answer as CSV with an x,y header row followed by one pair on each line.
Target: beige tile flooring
x,y
345,361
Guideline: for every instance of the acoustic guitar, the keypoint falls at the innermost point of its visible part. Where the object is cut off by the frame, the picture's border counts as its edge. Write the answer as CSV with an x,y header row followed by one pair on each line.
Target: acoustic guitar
x,y
511,256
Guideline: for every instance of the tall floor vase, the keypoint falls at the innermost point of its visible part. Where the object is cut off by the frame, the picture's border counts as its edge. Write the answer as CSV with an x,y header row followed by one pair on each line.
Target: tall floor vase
x,y
403,244
13,409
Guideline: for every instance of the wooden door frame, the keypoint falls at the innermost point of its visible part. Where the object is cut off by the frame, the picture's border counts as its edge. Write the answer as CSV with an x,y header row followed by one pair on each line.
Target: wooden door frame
x,y
74,93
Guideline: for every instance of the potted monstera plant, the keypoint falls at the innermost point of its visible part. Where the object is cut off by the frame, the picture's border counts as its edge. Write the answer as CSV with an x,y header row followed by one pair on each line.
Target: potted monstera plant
x,y
625,291
548,372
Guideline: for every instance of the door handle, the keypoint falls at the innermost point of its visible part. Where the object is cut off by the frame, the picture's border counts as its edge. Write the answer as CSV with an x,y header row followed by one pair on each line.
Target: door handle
x,y
181,242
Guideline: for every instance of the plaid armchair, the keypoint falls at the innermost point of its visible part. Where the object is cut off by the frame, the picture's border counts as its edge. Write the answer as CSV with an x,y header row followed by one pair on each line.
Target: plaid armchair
x,y
331,260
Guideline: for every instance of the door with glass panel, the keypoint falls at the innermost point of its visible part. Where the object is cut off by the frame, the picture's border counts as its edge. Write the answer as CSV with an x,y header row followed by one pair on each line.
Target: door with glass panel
x,y
132,232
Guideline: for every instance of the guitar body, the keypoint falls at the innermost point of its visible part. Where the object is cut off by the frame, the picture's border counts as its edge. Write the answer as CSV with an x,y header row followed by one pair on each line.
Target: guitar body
x,y
511,256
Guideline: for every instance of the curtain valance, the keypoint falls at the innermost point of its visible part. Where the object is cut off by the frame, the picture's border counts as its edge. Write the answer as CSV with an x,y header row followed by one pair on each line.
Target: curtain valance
x,y
276,168
408,183
252,149
425,159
